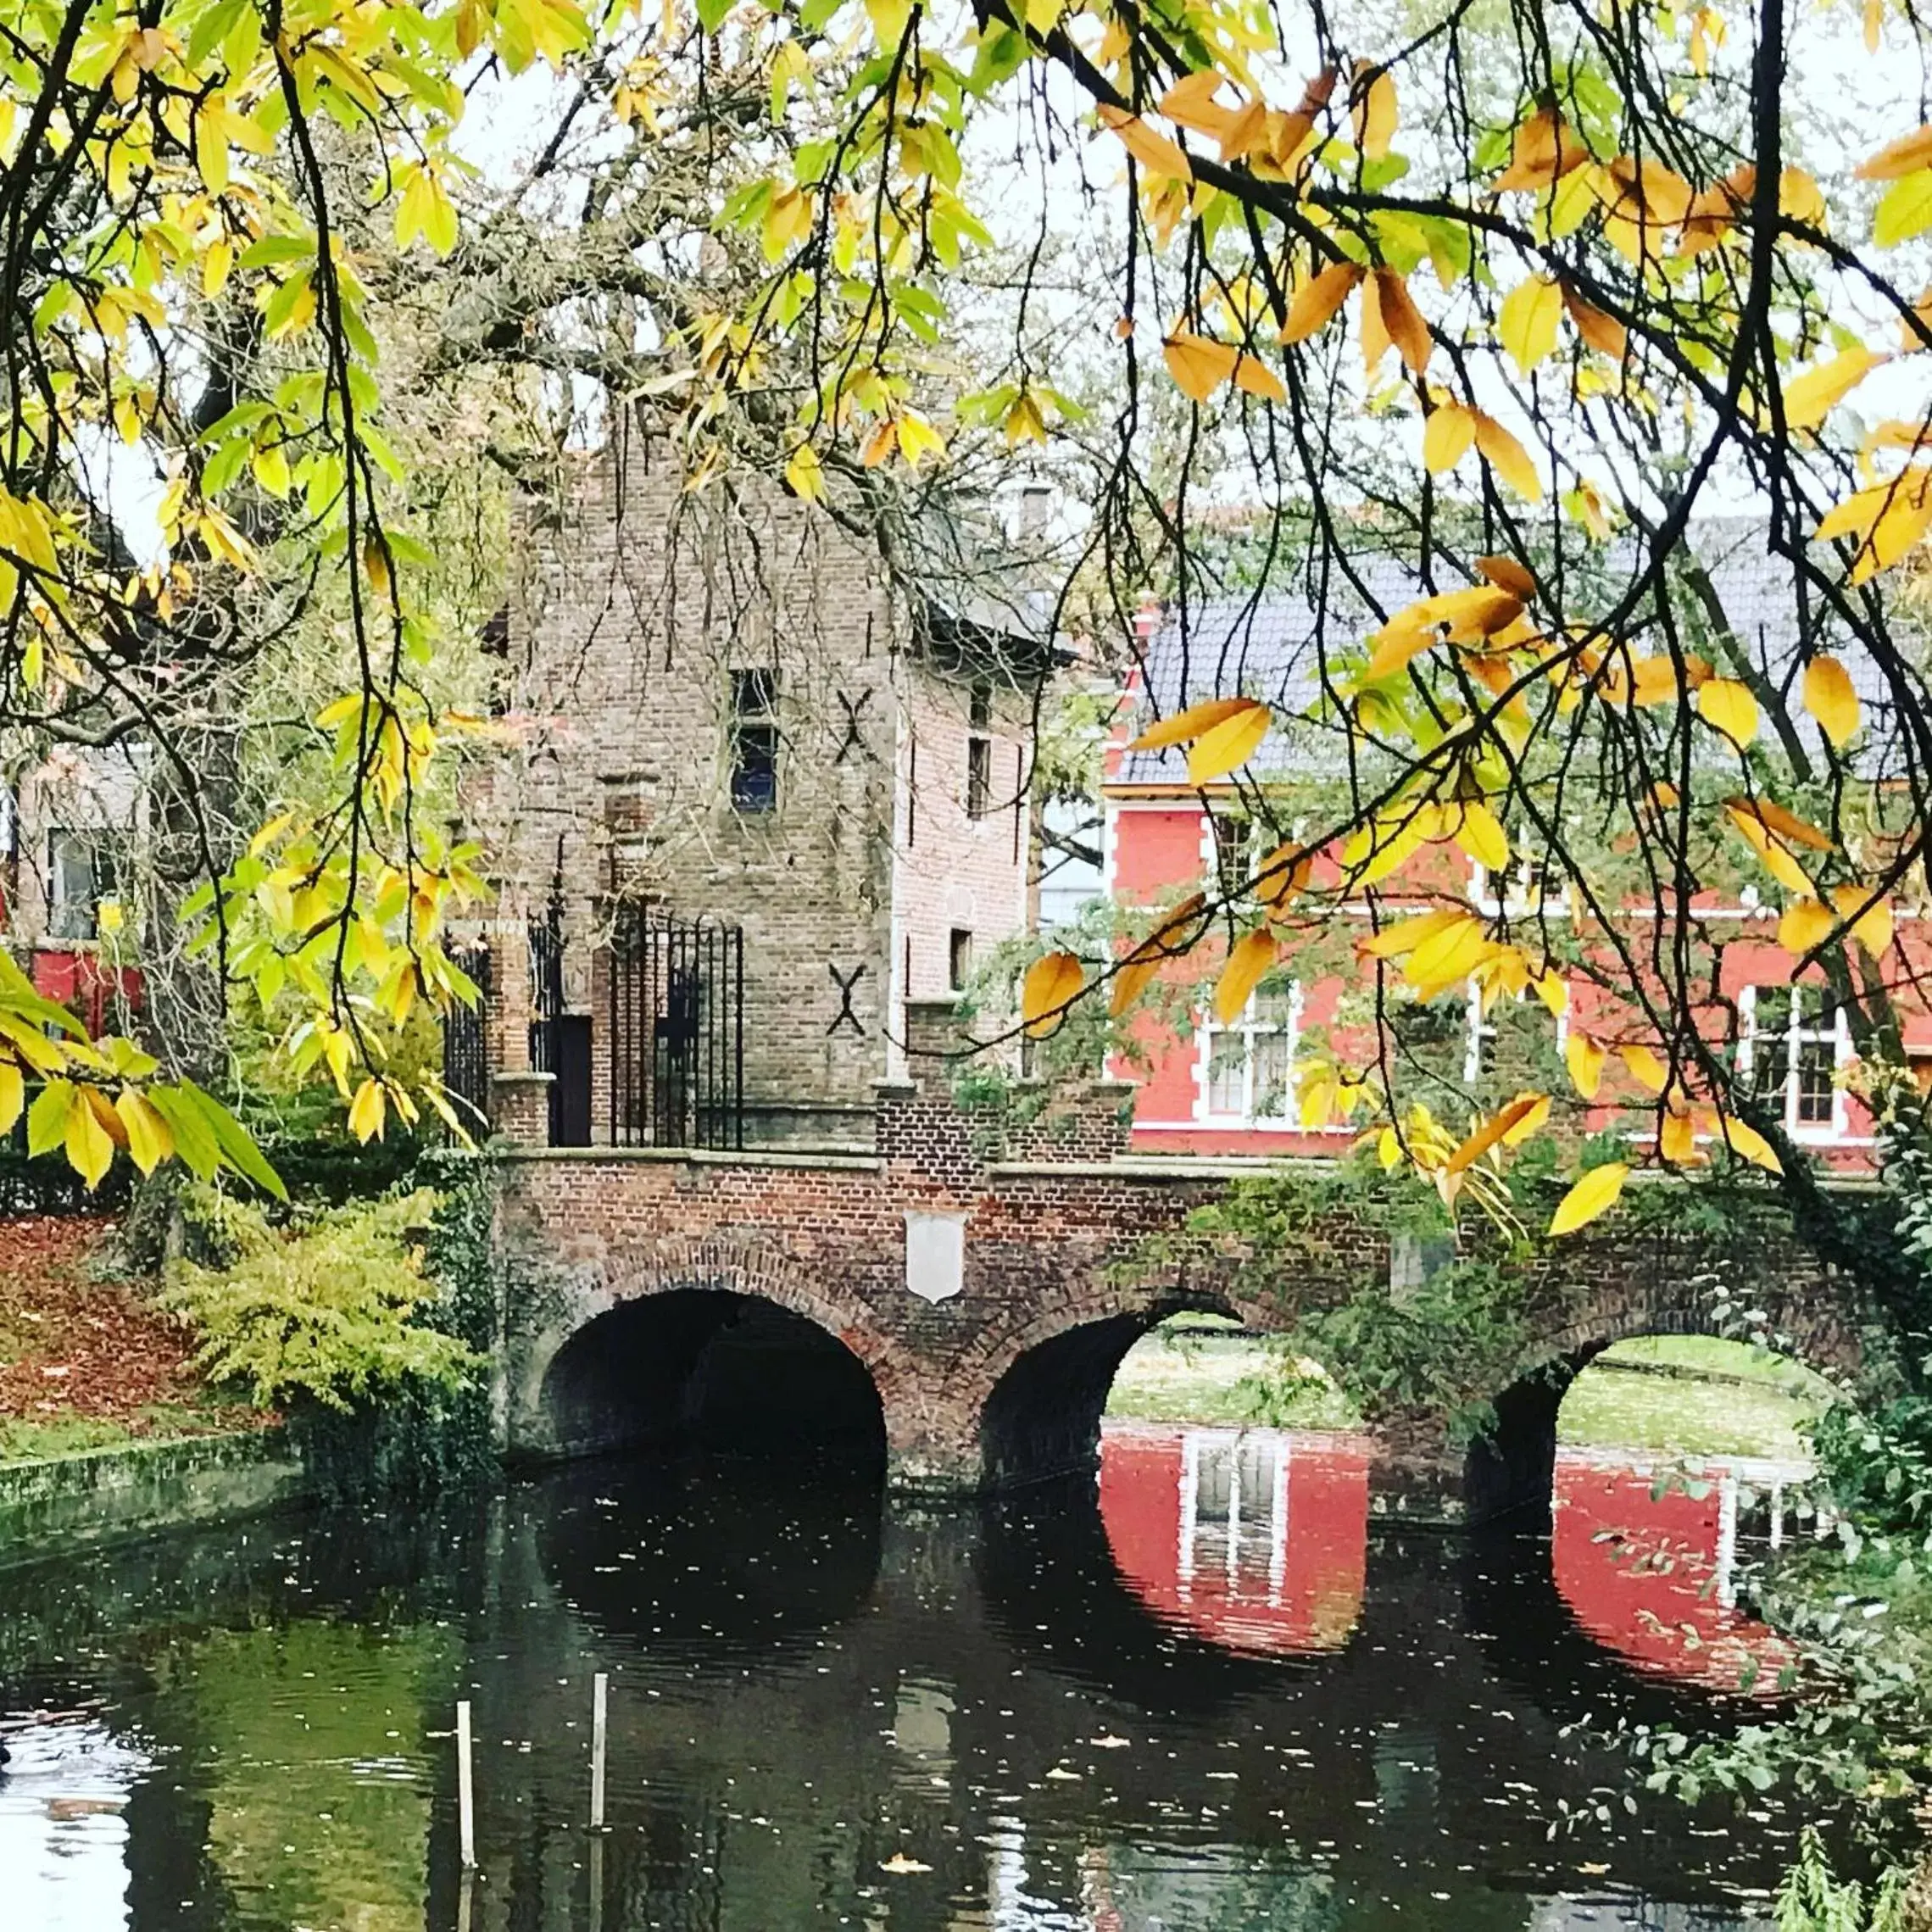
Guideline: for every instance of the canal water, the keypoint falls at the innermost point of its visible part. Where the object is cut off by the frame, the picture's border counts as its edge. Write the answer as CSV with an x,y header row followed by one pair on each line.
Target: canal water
x,y
1214,1695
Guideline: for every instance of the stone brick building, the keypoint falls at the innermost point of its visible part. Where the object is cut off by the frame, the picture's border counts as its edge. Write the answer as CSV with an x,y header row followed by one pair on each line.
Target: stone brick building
x,y
736,710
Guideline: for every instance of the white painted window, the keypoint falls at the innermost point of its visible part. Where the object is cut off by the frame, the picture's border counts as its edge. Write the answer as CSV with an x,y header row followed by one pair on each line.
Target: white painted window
x,y
1531,887
1796,1041
1245,1073
1228,854
1480,1033
1478,1039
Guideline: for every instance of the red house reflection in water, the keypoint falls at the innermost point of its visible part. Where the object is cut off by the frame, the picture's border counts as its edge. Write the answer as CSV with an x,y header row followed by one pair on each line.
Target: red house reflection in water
x,y
1652,1576
1255,1539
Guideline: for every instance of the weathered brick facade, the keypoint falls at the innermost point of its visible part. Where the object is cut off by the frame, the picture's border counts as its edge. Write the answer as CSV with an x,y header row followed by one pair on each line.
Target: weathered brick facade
x,y
1004,1380
643,610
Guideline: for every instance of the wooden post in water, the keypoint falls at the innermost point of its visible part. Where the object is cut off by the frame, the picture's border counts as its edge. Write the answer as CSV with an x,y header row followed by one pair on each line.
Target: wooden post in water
x,y
465,1788
599,1730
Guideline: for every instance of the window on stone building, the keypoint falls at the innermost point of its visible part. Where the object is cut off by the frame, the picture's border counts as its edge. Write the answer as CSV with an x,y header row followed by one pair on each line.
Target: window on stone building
x,y
80,881
755,740
979,752
1794,1040
1248,1070
979,776
959,959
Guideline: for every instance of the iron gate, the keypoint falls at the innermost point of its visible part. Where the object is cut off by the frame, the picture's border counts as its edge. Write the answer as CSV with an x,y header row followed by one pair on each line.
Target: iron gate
x,y
466,1042
677,1032
559,1041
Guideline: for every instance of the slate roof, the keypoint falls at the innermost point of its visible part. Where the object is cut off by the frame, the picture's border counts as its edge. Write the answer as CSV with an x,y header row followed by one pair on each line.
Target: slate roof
x,y
1275,645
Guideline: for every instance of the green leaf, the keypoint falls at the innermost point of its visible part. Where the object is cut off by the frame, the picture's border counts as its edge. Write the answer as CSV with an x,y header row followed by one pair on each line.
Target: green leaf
x,y
46,1118
194,1135
237,1149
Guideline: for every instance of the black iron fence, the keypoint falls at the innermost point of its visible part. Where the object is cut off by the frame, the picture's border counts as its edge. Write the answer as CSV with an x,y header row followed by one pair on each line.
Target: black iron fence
x,y
466,1042
677,1032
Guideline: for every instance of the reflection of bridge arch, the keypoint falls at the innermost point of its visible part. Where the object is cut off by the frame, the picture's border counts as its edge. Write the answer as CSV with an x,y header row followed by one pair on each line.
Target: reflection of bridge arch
x,y
726,1342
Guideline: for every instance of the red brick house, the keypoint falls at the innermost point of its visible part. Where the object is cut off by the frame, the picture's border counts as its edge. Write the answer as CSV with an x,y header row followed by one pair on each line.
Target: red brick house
x,y
1210,1089
70,828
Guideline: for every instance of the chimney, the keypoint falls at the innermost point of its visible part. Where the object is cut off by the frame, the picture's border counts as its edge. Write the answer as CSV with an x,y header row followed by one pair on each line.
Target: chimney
x,y
1036,499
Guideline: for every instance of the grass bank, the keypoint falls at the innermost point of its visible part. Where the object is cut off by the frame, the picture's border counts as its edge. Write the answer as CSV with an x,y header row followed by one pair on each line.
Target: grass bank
x,y
1669,1394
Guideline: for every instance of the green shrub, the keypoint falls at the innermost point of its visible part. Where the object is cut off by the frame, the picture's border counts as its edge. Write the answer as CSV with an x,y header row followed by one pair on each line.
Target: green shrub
x,y
327,1309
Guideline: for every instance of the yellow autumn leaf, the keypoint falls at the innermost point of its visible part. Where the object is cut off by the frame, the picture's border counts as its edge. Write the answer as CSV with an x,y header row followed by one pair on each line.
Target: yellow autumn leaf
x,y
1887,519
1507,457
1394,942
1314,305
1811,398
1747,1142
1594,1194
1248,964
1804,925
1830,698
1645,1068
90,1147
1451,954
805,475
1779,822
1254,375
1162,157
1198,364
150,1140
1585,1059
1052,982
1544,150
1189,723
1898,158
1482,837
1447,437
1500,1125
1373,109
13,1095
1284,873
1728,706
1526,327
1868,914
1676,1139
1601,332
1144,961
1227,746
1400,319
367,1111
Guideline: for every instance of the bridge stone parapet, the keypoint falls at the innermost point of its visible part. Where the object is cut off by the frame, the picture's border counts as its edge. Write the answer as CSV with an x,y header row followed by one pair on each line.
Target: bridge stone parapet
x,y
987,1284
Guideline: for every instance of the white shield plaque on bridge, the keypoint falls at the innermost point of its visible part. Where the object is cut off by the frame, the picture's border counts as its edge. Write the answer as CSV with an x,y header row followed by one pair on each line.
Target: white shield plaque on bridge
x,y
935,1255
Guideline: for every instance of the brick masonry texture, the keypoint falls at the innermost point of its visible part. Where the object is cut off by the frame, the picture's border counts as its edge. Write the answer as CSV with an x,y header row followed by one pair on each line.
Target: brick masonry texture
x,y
1005,1381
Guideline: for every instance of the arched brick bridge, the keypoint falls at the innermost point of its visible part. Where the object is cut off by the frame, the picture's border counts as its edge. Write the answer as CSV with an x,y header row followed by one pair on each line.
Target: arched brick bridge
x,y
990,1301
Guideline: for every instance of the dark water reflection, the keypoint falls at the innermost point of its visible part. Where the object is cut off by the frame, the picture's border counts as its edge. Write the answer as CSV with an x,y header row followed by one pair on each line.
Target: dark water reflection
x,y
1245,1709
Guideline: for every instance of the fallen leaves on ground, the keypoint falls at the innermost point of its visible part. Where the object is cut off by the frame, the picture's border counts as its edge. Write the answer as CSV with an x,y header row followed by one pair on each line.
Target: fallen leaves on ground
x,y
78,1350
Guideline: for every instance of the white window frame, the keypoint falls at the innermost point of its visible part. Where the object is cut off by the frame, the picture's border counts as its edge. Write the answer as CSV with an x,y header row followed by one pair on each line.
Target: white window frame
x,y
1515,902
1838,1037
1208,1030
1211,877
1480,1027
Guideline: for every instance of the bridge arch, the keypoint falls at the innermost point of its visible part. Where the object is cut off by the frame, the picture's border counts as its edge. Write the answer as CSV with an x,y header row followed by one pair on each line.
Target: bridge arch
x,y
1514,1467
724,1341
1042,1391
